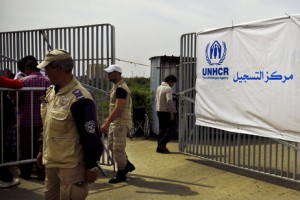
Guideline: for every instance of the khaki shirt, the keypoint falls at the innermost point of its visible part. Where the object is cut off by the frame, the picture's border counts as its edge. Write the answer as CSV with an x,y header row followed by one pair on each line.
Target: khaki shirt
x,y
61,141
125,116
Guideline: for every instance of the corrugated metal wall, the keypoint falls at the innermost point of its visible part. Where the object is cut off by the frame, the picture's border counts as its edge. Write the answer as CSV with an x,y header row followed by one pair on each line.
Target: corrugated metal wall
x,y
161,66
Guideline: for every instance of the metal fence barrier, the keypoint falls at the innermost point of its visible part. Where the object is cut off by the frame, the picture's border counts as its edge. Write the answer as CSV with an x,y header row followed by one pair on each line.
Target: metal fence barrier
x,y
260,154
106,158
92,48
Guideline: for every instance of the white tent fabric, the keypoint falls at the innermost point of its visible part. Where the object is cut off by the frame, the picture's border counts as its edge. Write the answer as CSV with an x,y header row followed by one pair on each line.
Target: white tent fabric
x,y
248,78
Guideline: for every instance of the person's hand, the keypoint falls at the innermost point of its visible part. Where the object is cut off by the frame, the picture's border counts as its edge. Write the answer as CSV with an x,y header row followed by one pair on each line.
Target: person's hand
x,y
39,160
91,176
104,128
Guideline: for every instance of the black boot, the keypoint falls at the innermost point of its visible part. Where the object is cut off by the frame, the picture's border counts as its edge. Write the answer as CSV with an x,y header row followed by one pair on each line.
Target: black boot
x,y
119,177
129,167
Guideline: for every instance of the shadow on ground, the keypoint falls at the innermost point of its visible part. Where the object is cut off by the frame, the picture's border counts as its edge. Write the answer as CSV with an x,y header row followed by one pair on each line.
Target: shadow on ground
x,y
250,174
18,192
150,185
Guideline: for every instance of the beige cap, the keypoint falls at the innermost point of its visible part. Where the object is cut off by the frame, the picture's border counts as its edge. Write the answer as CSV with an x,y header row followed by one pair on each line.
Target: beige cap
x,y
113,68
54,55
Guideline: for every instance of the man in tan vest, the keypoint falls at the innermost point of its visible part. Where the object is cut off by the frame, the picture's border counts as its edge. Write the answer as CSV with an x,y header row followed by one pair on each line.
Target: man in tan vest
x,y
71,140
119,122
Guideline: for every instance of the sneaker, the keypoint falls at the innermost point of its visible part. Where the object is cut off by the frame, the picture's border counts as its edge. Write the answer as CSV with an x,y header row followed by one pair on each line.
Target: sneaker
x,y
14,182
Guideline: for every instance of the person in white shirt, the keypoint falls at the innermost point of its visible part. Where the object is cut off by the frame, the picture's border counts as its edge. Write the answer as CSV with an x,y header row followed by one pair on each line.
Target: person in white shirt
x,y
166,111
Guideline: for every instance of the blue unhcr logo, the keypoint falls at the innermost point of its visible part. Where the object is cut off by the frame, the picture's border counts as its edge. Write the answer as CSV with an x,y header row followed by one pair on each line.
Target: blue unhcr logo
x,y
216,53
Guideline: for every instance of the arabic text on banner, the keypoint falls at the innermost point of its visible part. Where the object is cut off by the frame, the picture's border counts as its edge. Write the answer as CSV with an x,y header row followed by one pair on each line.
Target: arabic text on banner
x,y
248,78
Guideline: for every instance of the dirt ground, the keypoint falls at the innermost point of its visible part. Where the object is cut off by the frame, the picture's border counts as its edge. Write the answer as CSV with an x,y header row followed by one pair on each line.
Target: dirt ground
x,y
173,176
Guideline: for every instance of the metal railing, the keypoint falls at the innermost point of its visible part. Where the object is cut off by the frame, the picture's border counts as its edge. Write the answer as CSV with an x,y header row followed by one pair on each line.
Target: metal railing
x,y
106,158
92,48
260,154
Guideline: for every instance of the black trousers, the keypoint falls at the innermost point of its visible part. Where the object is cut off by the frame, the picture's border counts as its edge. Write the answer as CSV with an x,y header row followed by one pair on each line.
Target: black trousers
x,y
25,148
166,128
5,174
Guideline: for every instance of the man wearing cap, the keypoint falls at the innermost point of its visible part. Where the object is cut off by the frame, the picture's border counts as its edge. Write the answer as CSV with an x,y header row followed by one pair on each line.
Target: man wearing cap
x,y
119,122
71,140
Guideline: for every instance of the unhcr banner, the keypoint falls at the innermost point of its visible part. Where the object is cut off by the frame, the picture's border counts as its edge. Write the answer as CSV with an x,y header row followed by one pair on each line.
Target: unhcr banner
x,y
248,78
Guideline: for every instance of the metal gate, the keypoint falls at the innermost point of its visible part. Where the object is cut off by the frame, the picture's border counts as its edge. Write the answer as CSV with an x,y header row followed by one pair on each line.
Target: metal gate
x,y
264,155
92,47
